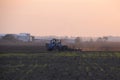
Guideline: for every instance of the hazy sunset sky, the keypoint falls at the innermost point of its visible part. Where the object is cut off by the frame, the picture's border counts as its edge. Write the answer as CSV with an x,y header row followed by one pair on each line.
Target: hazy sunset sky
x,y
60,17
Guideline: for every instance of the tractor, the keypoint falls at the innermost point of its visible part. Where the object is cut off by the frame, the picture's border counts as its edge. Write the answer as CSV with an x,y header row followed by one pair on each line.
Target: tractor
x,y
55,44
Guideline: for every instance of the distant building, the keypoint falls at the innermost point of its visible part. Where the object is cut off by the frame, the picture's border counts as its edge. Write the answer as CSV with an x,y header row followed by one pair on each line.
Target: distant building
x,y
25,37
1,35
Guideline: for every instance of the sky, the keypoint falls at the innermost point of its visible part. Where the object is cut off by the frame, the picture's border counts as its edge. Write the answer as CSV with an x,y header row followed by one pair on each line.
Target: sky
x,y
60,17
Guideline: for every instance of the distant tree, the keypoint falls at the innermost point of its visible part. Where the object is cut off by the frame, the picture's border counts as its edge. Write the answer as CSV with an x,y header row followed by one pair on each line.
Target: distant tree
x,y
9,37
99,39
105,38
91,40
78,42
32,38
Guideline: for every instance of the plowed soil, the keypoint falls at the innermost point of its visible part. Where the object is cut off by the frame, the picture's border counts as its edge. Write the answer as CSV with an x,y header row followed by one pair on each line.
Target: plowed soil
x,y
60,66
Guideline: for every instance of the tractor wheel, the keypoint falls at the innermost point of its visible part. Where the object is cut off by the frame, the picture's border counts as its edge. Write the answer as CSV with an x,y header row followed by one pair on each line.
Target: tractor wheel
x,y
64,48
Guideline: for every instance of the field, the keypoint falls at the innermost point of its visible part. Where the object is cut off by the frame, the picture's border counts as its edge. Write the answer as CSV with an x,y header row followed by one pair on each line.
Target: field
x,y
60,66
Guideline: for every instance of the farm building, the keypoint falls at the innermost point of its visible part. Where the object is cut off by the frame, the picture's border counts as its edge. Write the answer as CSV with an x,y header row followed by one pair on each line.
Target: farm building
x,y
25,37
1,35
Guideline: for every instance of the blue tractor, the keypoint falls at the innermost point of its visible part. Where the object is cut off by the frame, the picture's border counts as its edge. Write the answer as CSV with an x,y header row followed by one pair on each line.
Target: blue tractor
x,y
55,44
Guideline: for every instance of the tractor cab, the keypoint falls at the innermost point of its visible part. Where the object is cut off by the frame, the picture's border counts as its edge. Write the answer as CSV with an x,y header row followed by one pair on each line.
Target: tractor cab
x,y
55,44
